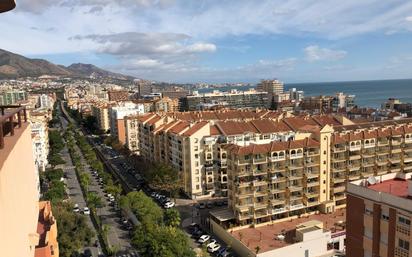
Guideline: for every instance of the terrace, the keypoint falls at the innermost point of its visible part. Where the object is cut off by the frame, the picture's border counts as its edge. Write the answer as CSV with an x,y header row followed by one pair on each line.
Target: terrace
x,y
266,237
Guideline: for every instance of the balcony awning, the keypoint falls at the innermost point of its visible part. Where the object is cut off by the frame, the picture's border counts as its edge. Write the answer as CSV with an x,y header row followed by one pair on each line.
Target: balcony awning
x,y
223,215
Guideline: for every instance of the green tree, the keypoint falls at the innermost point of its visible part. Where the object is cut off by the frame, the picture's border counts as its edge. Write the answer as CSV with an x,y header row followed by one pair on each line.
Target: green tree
x,y
94,200
172,217
73,231
55,159
54,174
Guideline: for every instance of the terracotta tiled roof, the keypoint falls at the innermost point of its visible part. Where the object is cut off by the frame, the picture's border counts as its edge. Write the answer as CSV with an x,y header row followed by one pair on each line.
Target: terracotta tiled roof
x,y
271,147
196,127
180,127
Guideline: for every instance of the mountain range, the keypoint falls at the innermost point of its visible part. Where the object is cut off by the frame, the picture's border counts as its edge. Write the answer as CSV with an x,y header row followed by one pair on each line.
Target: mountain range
x,y
17,66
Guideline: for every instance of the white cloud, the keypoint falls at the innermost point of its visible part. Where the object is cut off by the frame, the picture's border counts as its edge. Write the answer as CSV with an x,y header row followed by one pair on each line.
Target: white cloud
x,y
315,53
409,18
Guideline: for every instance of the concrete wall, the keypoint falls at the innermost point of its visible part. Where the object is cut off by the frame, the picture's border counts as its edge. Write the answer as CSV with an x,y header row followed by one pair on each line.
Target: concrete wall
x,y
235,244
313,248
18,196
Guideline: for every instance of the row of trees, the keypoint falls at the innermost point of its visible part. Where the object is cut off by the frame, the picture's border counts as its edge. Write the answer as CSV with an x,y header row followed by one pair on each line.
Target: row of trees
x,y
158,232
73,232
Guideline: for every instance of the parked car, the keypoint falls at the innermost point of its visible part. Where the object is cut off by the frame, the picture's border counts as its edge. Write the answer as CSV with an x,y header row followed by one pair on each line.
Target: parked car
x,y
209,205
169,205
86,211
87,253
211,242
213,248
76,208
202,205
221,251
203,239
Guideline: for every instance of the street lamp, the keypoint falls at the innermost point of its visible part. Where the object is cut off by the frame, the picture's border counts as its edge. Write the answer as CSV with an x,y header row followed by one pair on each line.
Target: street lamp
x,y
7,5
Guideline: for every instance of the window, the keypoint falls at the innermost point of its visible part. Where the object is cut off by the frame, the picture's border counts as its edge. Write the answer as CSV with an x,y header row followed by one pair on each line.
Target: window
x,y
404,221
196,140
196,148
403,244
385,216
197,187
368,211
196,171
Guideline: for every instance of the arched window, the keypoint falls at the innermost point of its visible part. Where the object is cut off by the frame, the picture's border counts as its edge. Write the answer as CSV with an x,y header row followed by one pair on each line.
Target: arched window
x,y
275,155
224,179
300,151
224,156
352,144
358,143
293,152
281,154
372,141
209,156
367,142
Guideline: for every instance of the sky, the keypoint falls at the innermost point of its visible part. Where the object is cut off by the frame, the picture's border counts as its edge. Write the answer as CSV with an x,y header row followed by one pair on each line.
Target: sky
x,y
218,41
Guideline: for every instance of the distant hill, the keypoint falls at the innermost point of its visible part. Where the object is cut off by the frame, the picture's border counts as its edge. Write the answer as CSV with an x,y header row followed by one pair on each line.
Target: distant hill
x,y
15,66
88,70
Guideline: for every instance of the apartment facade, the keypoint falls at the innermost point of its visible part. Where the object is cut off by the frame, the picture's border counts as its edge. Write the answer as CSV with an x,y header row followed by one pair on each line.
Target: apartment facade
x,y
117,114
101,112
277,180
193,143
18,204
381,226
233,99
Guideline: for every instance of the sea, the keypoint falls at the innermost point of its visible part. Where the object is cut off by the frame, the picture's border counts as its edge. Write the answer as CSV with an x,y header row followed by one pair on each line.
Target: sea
x,y
370,93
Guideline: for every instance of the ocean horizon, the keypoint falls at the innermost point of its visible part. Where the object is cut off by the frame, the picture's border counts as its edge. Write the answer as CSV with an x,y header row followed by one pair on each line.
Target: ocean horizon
x,y
369,93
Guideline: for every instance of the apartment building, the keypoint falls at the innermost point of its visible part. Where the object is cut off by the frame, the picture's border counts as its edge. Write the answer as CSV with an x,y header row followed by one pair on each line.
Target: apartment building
x,y
380,223
12,96
101,112
47,231
18,185
117,114
232,99
275,91
193,143
118,95
40,140
281,179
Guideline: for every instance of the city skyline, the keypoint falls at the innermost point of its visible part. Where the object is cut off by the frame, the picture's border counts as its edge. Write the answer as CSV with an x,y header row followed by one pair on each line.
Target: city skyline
x,y
228,41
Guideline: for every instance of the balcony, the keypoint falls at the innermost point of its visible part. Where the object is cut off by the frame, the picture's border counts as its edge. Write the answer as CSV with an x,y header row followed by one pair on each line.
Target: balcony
x,y
261,193
340,196
277,158
243,162
355,157
338,169
396,142
260,160
311,194
339,188
370,145
355,148
382,161
8,123
312,153
339,149
354,167
339,157
257,183
260,205
383,142
243,184
368,163
312,184
354,175
339,179
294,188
260,214
243,206
278,210
257,172
296,156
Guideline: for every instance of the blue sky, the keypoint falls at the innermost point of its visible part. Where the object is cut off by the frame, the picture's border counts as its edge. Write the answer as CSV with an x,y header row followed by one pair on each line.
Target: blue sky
x,y
219,40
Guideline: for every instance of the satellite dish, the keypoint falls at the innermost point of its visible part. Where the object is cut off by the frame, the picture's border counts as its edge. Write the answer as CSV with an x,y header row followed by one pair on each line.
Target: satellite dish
x,y
372,180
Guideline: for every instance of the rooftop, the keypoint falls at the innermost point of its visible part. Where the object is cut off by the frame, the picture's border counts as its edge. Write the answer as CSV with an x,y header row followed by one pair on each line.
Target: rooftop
x,y
266,236
397,187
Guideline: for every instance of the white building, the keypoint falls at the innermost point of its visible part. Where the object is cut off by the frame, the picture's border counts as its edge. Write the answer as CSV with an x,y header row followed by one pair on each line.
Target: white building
x,y
40,142
117,114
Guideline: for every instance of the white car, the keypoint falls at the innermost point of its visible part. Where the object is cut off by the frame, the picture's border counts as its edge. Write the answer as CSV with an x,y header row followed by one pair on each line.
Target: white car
x,y
213,248
86,211
203,239
169,205
211,243
76,208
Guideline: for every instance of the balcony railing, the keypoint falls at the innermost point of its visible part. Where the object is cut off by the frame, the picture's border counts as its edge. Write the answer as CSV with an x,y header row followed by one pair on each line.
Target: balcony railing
x,y
8,114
